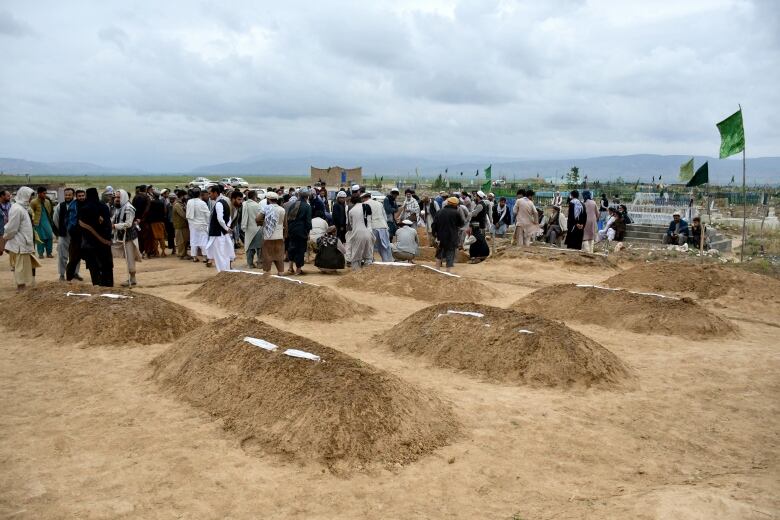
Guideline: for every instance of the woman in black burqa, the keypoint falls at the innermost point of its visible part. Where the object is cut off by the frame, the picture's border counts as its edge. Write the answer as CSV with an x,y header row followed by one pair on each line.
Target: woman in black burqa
x,y
95,223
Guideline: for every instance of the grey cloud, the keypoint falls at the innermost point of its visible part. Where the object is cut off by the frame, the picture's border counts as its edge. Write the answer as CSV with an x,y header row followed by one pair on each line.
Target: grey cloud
x,y
172,85
114,35
11,26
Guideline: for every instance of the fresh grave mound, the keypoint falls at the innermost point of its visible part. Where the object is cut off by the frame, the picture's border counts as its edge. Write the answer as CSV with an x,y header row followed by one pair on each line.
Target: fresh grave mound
x,y
626,310
97,315
567,257
507,346
272,295
705,281
428,254
415,281
337,411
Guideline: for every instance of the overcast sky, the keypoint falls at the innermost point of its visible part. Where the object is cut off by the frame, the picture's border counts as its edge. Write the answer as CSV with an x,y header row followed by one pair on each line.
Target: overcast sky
x,y
170,85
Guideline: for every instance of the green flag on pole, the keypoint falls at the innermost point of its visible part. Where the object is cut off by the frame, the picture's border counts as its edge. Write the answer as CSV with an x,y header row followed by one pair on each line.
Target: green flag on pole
x,y
686,170
702,176
732,135
488,176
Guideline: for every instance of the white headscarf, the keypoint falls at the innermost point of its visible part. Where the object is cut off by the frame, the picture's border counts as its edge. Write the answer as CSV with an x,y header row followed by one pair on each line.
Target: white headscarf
x,y
124,198
23,196
577,207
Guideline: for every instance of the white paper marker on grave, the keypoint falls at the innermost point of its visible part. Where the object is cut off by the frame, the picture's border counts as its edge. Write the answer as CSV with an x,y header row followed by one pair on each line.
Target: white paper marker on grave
x,y
525,331
299,282
462,313
241,271
439,271
260,343
395,264
301,354
106,295
656,295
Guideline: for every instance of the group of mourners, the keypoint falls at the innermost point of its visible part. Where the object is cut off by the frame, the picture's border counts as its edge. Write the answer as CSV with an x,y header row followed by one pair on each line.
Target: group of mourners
x,y
279,225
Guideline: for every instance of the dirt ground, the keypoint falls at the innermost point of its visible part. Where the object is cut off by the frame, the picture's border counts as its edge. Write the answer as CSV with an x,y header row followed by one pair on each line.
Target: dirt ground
x,y
86,433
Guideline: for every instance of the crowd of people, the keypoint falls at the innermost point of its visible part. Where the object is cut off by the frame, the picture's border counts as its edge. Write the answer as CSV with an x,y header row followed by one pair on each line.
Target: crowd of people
x,y
283,225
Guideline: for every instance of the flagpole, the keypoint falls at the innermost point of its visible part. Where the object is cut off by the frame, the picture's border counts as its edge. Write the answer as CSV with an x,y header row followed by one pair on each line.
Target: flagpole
x,y
744,201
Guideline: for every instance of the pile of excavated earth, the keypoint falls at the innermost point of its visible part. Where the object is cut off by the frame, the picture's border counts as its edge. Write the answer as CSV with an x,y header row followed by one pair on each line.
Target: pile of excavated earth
x,y
565,256
507,346
415,281
291,396
101,316
628,310
271,295
701,281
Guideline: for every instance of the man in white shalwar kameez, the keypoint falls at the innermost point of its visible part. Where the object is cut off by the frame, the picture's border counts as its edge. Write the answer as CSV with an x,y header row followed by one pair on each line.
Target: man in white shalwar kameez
x,y
198,221
253,235
219,247
361,241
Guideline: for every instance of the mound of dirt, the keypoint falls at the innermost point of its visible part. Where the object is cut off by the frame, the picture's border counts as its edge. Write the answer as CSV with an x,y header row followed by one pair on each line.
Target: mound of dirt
x,y
625,310
79,312
428,254
414,281
566,257
507,346
271,295
339,411
704,281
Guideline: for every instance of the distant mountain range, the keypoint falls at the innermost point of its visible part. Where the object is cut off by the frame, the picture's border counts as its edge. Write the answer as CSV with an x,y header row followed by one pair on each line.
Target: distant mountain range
x,y
762,170
630,167
22,166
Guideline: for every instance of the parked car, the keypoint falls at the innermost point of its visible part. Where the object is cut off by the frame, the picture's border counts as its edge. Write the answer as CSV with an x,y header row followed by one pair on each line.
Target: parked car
x,y
377,195
236,182
201,182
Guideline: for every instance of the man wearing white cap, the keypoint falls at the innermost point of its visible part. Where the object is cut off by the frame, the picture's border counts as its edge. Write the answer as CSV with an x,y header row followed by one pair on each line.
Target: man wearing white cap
x,y
407,245
677,234
380,230
339,214
219,246
361,238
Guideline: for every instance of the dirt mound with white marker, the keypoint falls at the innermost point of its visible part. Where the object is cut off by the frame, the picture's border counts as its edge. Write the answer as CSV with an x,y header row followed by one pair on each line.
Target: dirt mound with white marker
x,y
706,282
75,313
567,257
338,411
626,310
414,281
507,346
271,295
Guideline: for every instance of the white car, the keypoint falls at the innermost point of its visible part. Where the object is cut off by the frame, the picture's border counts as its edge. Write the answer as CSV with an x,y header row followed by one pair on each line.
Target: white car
x,y
236,182
201,182
376,195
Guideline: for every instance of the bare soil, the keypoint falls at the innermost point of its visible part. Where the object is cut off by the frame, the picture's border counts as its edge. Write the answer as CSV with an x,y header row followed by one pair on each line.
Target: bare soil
x,y
507,346
256,294
563,256
413,281
624,310
87,432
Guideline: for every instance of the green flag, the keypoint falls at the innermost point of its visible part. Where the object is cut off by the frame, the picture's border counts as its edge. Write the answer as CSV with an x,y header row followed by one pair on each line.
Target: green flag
x,y
732,135
488,172
686,170
702,176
